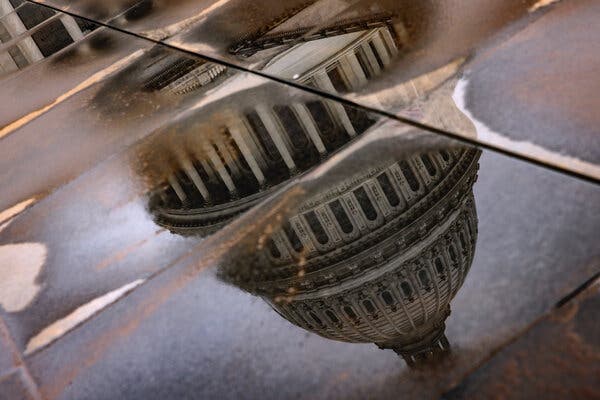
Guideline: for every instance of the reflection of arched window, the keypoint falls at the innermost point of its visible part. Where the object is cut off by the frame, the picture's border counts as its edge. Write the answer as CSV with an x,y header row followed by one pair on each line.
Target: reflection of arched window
x,y
406,289
303,317
332,317
317,319
350,313
412,180
469,222
445,155
439,266
463,241
452,253
293,237
431,170
388,190
369,306
387,298
341,216
365,204
316,227
273,248
424,279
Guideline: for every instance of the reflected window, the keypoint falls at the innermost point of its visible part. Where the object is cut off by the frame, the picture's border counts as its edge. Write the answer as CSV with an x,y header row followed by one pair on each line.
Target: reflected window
x,y
365,204
424,279
361,120
293,237
445,155
452,253
376,54
388,190
322,118
316,227
341,216
463,241
364,63
273,249
292,126
332,317
369,306
408,173
263,136
316,319
387,298
431,170
406,289
350,313
439,266
336,78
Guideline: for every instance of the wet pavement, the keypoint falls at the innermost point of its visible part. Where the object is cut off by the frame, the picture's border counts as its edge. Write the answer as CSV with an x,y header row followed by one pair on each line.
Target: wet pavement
x,y
309,199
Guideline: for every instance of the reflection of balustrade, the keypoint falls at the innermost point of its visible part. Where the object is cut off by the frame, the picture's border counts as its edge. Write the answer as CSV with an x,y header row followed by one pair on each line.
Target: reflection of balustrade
x,y
250,46
197,78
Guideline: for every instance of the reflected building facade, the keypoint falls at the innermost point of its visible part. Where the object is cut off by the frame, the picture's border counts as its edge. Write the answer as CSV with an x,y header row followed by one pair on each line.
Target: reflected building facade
x,y
29,33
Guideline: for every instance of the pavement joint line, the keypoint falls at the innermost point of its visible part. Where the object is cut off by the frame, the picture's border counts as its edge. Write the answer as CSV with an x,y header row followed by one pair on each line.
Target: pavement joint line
x,y
578,290
19,362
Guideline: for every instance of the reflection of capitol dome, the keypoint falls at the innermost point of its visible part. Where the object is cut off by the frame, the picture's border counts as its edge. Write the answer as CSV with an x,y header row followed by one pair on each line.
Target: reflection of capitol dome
x,y
378,258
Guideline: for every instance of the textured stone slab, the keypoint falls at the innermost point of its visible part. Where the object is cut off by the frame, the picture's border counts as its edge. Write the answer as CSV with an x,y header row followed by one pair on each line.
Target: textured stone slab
x,y
557,358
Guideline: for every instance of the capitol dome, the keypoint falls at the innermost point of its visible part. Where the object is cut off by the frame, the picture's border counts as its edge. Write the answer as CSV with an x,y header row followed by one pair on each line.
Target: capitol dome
x,y
378,258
